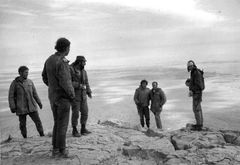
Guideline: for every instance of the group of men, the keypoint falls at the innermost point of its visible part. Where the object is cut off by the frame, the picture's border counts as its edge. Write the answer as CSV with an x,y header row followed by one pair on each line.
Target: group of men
x,y
68,86
143,96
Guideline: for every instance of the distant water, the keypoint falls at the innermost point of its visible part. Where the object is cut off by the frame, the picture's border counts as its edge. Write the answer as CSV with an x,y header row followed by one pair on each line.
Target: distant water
x,y
113,91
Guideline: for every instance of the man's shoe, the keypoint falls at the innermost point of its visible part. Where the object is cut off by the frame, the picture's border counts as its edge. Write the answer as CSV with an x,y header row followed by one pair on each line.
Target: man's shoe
x,y
41,133
194,127
75,132
55,152
63,154
199,127
85,131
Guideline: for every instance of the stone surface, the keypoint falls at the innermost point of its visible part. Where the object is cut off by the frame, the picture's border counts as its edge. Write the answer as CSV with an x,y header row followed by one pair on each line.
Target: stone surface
x,y
115,142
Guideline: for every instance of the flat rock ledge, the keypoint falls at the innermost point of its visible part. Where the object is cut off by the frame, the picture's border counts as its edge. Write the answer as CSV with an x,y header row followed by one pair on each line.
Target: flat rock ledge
x,y
115,142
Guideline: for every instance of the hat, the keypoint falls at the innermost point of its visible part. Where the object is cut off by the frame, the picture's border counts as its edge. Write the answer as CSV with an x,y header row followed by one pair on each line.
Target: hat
x,y
80,58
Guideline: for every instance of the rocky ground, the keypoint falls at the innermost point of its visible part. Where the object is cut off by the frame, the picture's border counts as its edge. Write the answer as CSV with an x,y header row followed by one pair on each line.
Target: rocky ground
x,y
115,142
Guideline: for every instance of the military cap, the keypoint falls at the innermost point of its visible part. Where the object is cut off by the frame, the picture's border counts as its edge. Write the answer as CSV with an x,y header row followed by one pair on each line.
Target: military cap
x,y
80,58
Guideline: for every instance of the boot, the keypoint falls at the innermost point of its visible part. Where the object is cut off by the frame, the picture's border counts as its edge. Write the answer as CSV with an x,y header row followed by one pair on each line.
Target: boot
x,y
84,131
75,132
199,127
63,153
41,133
55,152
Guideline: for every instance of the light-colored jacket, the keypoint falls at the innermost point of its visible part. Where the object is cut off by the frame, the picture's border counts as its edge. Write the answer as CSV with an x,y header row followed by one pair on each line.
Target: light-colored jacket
x,y
23,97
141,97
158,99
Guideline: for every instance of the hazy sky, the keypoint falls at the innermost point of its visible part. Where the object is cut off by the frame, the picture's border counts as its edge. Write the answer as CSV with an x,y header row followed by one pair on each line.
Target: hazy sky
x,y
120,32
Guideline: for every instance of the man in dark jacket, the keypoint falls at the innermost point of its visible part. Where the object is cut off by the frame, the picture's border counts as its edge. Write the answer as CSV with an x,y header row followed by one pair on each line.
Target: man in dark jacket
x,y
56,76
141,99
23,100
196,86
82,90
158,99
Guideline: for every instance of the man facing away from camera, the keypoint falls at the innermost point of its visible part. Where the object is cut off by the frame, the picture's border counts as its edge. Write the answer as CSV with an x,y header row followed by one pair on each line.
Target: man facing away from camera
x,y
82,90
141,99
196,86
158,99
56,76
23,100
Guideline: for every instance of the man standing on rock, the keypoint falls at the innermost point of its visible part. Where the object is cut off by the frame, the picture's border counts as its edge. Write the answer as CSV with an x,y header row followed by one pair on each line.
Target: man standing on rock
x,y
196,86
158,99
141,99
23,100
82,90
56,76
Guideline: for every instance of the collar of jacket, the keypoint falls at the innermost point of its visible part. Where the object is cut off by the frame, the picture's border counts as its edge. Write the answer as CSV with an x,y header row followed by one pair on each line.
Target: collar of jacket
x,y
62,57
19,79
156,90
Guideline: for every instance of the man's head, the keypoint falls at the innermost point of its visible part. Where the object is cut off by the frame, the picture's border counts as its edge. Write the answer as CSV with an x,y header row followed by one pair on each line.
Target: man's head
x,y
80,62
63,46
23,71
144,83
154,84
190,65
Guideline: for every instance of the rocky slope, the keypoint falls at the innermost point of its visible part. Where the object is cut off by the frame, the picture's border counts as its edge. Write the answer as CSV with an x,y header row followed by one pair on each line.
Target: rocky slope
x,y
115,142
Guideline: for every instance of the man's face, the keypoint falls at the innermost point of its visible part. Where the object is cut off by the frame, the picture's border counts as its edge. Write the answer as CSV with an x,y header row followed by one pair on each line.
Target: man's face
x,y
67,51
189,66
144,85
154,85
24,74
82,63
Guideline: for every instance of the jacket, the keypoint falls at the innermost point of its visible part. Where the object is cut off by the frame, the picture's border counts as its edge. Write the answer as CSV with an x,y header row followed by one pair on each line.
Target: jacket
x,y
81,86
56,76
158,99
195,81
23,97
142,97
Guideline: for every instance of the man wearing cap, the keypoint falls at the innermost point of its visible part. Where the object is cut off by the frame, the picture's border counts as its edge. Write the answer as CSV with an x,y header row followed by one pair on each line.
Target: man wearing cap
x,y
23,100
195,91
56,76
141,99
82,90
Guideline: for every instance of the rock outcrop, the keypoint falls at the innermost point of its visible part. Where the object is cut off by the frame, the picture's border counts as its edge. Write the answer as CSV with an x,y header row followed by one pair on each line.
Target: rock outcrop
x,y
115,142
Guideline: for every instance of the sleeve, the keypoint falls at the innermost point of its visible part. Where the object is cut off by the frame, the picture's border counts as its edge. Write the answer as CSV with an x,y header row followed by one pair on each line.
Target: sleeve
x,y
89,91
35,95
44,75
136,95
11,96
163,98
65,80
75,84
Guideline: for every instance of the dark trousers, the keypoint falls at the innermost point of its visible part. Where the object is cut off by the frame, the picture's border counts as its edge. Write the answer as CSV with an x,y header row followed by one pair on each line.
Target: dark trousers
x,y
83,108
143,112
197,108
60,109
36,119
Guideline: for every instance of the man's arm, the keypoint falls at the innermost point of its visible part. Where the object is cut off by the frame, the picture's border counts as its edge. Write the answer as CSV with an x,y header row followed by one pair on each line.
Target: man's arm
x,y
44,75
89,91
36,97
11,97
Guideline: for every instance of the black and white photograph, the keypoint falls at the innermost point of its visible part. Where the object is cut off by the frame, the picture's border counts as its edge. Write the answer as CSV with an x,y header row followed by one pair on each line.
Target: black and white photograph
x,y
120,82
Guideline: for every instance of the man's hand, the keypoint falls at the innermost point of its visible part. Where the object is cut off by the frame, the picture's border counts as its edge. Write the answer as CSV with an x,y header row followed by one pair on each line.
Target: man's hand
x,y
13,110
89,95
187,82
190,93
